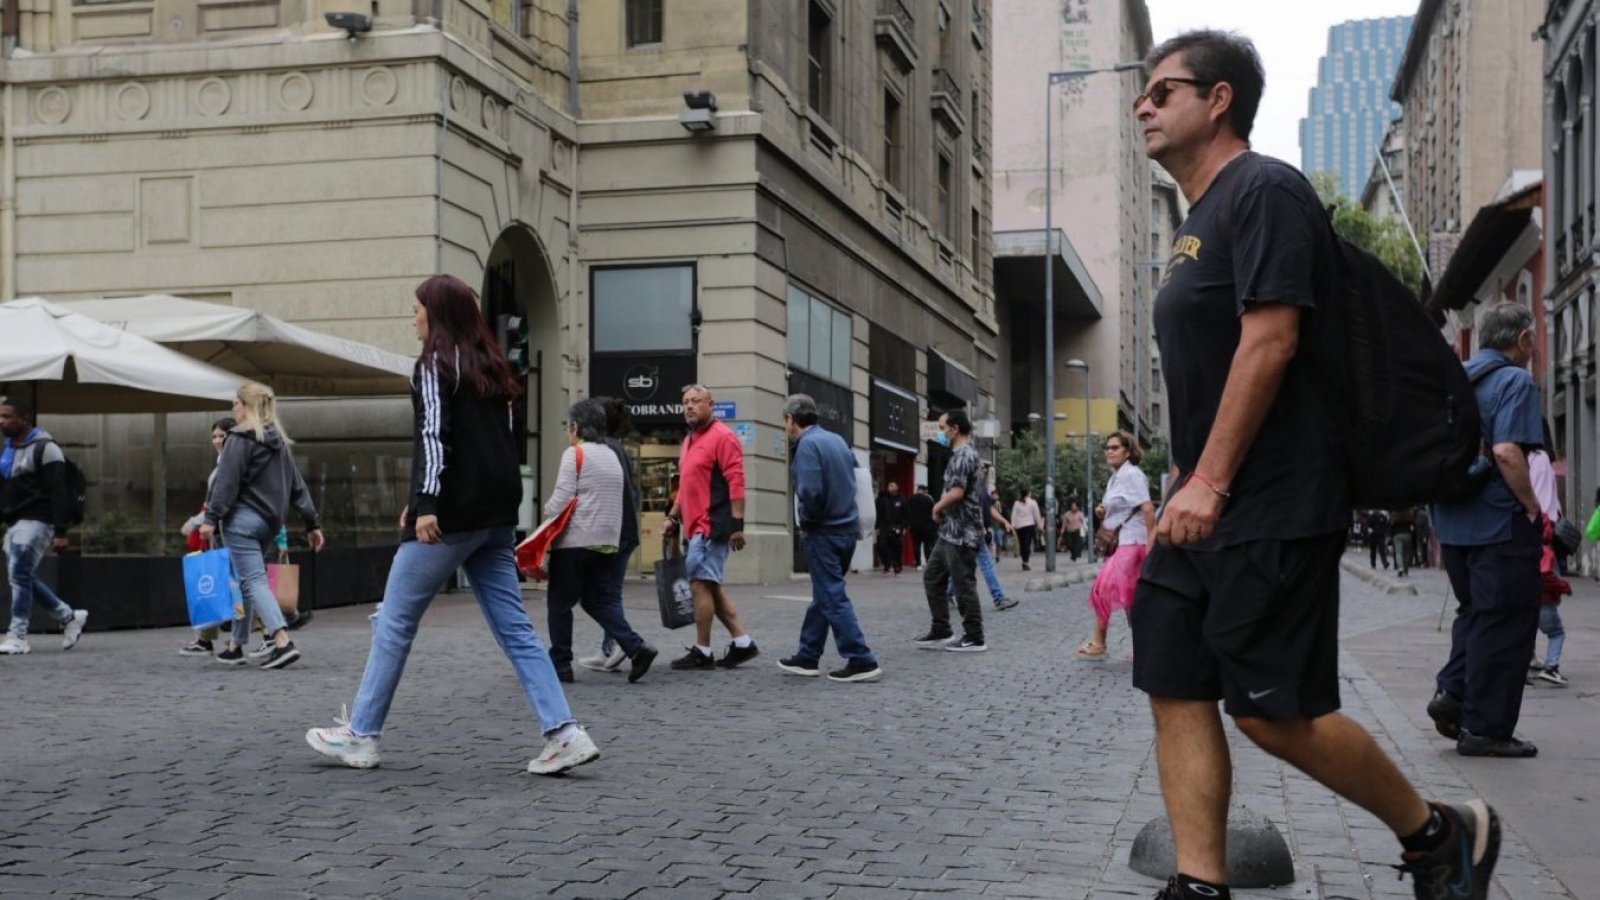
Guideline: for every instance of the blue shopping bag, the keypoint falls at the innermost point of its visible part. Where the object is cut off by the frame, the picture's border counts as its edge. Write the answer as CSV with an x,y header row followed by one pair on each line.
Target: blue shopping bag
x,y
210,587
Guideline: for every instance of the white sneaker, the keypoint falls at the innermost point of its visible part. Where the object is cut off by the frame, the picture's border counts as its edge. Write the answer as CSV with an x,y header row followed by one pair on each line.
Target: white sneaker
x,y
74,629
262,649
14,645
559,756
342,744
602,663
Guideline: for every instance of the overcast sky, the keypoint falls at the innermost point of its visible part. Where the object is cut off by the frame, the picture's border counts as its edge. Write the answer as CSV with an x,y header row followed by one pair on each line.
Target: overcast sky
x,y
1292,35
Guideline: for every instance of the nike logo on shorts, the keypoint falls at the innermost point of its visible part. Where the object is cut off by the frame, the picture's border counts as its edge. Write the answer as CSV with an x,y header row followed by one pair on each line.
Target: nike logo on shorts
x,y
1257,695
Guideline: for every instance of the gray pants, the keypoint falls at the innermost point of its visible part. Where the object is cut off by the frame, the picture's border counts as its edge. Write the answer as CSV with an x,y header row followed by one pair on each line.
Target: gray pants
x,y
952,563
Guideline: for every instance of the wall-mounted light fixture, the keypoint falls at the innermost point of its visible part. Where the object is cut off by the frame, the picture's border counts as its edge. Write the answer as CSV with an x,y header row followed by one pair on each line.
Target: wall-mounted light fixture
x,y
701,114
353,23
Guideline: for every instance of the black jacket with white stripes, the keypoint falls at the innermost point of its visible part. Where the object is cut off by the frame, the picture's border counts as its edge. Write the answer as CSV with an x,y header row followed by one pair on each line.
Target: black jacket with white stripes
x,y
464,465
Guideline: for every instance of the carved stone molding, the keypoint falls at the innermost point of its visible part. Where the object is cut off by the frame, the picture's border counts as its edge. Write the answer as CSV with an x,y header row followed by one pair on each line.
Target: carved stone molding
x,y
379,86
131,102
52,105
295,91
212,97
492,115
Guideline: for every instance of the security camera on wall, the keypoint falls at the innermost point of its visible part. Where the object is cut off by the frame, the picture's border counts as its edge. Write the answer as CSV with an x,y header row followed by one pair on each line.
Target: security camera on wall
x,y
353,23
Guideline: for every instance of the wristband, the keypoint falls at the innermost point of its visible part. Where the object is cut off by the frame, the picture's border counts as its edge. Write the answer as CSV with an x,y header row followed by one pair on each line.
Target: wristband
x,y
1207,482
738,524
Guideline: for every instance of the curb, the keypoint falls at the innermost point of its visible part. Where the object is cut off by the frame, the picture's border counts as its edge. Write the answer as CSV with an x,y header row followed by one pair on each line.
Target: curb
x,y
1379,580
1075,574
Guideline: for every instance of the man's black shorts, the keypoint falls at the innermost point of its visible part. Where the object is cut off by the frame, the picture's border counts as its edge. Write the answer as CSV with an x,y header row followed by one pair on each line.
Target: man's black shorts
x,y
1255,625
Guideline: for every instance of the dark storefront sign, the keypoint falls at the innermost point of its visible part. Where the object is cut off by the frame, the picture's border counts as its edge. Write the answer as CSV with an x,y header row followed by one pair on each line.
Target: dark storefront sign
x,y
895,417
650,384
835,404
950,385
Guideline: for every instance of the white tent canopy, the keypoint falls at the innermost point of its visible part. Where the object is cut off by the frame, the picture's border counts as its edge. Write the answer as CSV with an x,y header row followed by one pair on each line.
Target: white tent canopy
x,y
65,362
295,361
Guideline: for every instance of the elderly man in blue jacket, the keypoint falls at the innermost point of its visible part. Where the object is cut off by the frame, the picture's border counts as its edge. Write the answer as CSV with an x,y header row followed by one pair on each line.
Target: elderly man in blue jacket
x,y
825,500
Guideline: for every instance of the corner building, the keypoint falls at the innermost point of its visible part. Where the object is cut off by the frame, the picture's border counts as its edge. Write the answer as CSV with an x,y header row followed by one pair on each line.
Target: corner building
x,y
825,228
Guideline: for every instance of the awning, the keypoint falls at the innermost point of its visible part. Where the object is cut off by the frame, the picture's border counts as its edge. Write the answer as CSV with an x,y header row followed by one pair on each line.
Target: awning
x,y
1492,232
1019,275
950,384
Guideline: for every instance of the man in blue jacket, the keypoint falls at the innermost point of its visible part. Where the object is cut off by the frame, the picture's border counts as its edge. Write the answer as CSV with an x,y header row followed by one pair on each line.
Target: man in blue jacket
x,y
825,500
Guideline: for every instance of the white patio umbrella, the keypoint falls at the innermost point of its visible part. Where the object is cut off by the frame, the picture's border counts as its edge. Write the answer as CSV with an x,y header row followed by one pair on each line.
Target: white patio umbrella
x,y
65,362
294,360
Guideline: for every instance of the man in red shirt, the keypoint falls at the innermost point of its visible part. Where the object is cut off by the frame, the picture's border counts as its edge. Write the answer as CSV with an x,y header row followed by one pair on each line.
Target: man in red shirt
x,y
710,512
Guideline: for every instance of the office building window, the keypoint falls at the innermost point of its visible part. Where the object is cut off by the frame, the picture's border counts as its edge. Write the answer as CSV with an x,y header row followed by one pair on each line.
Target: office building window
x,y
819,337
819,61
893,142
643,308
643,22
945,214
977,238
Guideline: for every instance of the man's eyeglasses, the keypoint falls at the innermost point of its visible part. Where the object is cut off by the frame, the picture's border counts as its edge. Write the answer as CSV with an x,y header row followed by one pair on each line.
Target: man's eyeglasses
x,y
1158,92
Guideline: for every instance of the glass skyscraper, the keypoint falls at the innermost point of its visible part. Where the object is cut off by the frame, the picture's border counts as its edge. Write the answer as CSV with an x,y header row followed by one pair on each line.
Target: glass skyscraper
x,y
1350,106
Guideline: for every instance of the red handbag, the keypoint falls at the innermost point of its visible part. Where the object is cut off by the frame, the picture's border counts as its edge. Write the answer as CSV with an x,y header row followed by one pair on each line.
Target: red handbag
x,y
533,554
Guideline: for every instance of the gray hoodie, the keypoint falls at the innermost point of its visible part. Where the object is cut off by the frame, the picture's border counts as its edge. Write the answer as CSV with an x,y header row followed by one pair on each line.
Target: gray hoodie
x,y
260,474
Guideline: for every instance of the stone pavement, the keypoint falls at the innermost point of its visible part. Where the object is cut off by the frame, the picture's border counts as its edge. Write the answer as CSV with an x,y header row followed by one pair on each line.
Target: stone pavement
x,y
132,772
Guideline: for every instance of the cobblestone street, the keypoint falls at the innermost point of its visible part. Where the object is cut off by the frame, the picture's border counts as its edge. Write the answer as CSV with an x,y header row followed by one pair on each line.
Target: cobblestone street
x,y
133,772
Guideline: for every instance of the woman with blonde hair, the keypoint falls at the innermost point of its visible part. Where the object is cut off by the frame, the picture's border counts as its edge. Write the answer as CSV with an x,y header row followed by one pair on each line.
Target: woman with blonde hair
x,y
255,483
1125,509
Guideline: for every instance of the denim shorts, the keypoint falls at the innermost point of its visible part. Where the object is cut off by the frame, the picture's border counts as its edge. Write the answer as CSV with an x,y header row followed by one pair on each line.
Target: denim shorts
x,y
706,559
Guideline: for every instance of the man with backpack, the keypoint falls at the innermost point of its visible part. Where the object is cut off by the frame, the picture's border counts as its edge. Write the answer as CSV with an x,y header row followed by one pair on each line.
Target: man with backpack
x,y
1492,542
1239,599
37,509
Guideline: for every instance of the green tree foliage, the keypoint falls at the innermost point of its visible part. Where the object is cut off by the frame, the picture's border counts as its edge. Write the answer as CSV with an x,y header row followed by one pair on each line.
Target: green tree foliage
x,y
1023,464
1384,238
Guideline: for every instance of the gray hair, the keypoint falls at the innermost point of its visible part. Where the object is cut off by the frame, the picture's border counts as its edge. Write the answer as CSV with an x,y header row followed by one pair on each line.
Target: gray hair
x,y
1501,323
697,387
589,418
802,409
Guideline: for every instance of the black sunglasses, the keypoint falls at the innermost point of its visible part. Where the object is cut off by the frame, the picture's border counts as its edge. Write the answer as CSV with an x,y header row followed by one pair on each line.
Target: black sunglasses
x,y
1158,92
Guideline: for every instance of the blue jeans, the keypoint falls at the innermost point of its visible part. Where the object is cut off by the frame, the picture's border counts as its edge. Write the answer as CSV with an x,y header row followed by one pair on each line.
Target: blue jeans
x,y
27,542
705,560
1554,631
986,566
828,559
419,572
580,575
249,537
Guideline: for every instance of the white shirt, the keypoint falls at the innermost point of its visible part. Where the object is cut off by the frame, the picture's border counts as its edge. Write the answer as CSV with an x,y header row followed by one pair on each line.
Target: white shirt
x,y
1542,475
1025,513
1127,490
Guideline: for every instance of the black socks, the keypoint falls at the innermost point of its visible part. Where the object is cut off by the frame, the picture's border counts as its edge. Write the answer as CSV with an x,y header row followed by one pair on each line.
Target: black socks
x,y
1430,836
1195,889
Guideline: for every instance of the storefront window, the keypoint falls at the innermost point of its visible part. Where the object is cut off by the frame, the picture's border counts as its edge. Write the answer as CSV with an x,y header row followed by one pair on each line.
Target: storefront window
x,y
819,337
643,309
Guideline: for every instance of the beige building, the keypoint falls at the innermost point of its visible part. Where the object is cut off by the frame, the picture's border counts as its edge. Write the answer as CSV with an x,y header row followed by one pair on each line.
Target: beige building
x,y
1469,88
823,226
1103,206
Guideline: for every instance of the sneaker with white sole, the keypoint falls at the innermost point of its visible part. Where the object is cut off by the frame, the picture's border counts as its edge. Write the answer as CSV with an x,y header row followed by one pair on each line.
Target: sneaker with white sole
x,y
340,743
281,657
561,755
1552,675
601,662
966,645
73,629
262,649
14,646
197,647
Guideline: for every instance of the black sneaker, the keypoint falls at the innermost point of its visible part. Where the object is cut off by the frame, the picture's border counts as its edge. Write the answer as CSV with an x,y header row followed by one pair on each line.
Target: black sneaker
x,y
1461,866
966,645
736,655
197,647
694,659
642,658
564,674
1006,603
281,657
1172,891
933,640
1445,711
233,656
794,665
856,670
1471,744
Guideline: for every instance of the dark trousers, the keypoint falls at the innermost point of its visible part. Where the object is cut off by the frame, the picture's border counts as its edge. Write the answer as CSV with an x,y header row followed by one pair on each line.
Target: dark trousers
x,y
953,565
828,559
1025,538
924,541
1075,544
889,548
1375,548
1497,618
594,580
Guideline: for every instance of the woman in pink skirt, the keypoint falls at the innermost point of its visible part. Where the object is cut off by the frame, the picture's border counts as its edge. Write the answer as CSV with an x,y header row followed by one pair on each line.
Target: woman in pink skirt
x,y
1126,509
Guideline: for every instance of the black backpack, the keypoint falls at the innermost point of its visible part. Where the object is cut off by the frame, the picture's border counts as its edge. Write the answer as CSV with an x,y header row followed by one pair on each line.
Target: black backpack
x,y
77,485
1415,436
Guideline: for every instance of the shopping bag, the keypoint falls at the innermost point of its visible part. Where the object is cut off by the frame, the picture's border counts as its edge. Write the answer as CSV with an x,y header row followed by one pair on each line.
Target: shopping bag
x,y
533,554
672,590
284,579
1592,532
210,588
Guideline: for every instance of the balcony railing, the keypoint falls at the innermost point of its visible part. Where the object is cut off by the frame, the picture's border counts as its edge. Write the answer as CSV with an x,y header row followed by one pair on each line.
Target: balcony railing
x,y
896,29
945,83
946,101
900,11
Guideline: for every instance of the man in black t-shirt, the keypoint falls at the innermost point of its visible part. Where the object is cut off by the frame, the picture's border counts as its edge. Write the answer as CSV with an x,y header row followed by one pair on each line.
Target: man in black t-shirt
x,y
1239,599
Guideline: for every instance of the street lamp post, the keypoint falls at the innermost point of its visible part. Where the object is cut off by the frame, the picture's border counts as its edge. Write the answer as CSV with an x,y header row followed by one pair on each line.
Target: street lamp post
x,y
1051,80
1088,453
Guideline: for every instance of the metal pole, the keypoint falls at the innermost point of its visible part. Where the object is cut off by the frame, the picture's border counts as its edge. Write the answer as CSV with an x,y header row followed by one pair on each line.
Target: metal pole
x,y
1088,461
1404,219
1049,342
